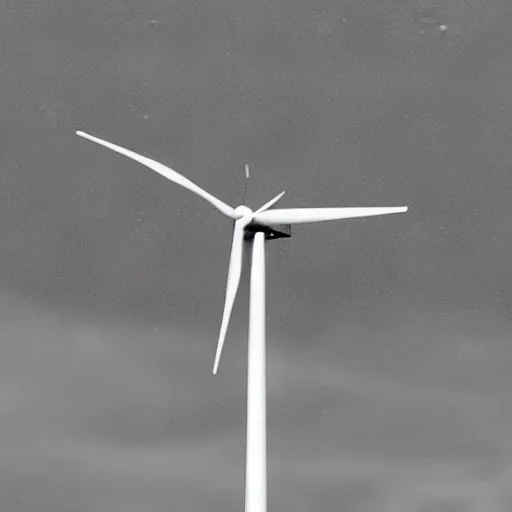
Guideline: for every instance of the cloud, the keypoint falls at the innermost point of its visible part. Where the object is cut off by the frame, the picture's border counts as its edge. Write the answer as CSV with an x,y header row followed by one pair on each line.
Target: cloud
x,y
111,416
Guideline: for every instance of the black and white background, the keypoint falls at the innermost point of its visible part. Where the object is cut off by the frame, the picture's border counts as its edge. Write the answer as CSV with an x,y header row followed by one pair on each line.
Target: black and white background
x,y
389,339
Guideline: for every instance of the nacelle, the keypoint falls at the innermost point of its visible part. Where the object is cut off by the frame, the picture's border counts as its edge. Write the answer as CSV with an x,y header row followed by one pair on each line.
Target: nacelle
x,y
271,232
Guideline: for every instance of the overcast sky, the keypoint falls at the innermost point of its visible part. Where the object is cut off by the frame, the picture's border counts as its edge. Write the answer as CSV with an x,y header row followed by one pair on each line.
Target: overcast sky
x,y
389,339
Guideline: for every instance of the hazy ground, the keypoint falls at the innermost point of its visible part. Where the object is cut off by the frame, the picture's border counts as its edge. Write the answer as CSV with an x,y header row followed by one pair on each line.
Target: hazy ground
x,y
390,357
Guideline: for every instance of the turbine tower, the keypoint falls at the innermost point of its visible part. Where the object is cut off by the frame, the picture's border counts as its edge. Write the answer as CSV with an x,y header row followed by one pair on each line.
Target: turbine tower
x,y
255,227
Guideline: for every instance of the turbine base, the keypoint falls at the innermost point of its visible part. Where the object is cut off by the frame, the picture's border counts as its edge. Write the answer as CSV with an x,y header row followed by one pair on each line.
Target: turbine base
x,y
271,232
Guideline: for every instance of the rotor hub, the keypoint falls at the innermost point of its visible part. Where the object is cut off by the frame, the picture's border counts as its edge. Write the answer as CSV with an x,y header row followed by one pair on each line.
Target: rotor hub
x,y
243,211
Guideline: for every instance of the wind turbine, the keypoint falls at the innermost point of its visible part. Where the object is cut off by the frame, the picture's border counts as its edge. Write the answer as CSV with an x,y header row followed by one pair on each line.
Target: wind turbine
x,y
256,227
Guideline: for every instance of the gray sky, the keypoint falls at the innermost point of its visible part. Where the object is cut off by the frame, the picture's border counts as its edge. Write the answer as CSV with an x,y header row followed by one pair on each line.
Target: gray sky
x,y
389,354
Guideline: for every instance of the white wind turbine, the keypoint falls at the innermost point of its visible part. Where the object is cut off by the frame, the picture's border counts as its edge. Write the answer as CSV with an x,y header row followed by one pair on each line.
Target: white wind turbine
x,y
256,226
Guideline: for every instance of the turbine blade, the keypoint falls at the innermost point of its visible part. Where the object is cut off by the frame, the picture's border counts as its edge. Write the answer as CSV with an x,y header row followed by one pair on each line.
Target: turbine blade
x,y
272,202
303,215
165,171
234,273
246,184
